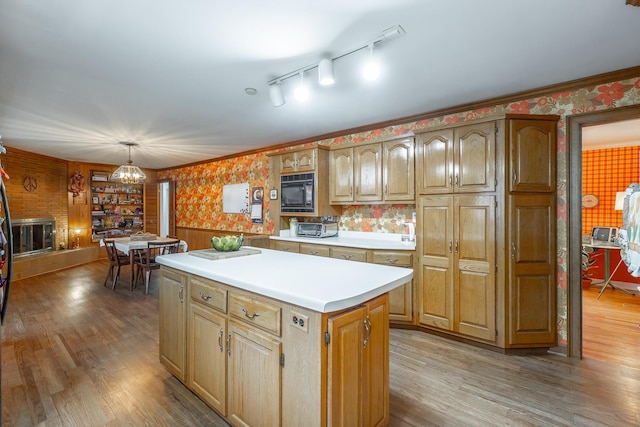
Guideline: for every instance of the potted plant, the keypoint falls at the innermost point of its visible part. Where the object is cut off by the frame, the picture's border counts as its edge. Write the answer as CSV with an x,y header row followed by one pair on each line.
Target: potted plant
x,y
588,261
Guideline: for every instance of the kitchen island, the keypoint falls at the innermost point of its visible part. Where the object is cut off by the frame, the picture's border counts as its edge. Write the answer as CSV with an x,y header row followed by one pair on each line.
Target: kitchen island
x,y
278,338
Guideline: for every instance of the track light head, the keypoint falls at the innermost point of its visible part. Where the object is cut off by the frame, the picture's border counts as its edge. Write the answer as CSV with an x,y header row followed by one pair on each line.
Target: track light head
x,y
371,69
302,92
275,93
325,72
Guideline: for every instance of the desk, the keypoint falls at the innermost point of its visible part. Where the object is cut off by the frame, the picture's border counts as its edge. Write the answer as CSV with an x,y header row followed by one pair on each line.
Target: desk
x,y
128,246
608,274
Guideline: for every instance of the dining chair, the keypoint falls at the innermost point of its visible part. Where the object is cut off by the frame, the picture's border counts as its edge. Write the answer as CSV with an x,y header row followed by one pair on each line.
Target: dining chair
x,y
145,259
116,260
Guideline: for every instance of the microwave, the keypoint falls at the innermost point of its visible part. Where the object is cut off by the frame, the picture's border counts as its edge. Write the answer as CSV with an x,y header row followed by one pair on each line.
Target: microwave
x,y
604,234
297,193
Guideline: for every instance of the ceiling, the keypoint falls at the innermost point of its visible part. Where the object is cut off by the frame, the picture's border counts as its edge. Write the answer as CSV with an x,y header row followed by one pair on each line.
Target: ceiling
x,y
78,77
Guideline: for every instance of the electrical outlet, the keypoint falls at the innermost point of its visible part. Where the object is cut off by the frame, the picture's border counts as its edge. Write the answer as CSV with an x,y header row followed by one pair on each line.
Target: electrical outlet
x,y
300,321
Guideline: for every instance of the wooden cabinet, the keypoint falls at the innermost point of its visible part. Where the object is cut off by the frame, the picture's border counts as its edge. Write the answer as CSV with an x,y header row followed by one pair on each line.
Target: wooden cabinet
x,y
400,298
116,209
349,254
285,246
312,249
358,359
298,161
173,343
254,377
459,160
486,230
457,289
373,173
259,361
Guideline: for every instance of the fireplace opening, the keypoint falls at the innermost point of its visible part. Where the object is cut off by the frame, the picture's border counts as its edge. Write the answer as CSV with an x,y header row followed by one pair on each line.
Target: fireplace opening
x,y
33,235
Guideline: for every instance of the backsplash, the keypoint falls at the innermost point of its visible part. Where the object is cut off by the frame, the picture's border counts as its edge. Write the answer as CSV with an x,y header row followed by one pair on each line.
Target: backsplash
x,y
376,218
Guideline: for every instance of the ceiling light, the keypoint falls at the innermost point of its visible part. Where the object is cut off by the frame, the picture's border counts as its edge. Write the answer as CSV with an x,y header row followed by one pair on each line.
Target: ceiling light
x,y
371,69
250,90
129,174
325,72
302,92
275,93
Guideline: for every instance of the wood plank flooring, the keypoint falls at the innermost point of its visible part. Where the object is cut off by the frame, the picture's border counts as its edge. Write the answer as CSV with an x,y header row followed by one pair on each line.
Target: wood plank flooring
x,y
78,354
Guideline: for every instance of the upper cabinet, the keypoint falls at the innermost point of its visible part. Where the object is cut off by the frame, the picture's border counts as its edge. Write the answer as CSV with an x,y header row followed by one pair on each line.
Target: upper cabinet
x,y
460,160
373,173
532,155
298,161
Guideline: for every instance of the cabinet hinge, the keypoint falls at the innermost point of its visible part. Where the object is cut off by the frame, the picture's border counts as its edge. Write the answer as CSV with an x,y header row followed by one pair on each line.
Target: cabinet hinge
x,y
496,332
497,130
496,268
327,338
282,359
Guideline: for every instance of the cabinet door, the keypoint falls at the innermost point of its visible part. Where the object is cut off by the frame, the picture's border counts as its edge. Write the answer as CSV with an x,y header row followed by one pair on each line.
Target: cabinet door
x,y
531,293
434,162
400,298
375,404
254,386
474,266
367,161
173,341
341,176
475,158
306,160
398,170
288,162
207,373
435,291
532,155
345,369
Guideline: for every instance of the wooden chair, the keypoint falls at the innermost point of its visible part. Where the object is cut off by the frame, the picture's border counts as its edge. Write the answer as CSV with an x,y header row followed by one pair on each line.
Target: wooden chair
x,y
116,260
145,259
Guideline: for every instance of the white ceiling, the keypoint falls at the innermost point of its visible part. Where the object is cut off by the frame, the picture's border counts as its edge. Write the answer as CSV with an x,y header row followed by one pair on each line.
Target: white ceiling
x,y
612,135
77,77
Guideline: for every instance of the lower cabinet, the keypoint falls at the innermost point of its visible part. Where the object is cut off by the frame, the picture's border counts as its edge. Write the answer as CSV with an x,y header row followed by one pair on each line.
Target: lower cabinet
x,y
245,356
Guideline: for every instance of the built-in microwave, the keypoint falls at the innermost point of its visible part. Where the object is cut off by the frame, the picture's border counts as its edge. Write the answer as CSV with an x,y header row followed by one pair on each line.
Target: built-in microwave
x,y
297,193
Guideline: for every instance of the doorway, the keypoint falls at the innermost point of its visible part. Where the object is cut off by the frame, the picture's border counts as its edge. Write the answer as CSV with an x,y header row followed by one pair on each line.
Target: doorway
x,y
166,208
575,125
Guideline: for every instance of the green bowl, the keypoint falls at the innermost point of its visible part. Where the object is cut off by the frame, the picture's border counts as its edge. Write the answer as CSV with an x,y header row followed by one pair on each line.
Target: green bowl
x,y
227,243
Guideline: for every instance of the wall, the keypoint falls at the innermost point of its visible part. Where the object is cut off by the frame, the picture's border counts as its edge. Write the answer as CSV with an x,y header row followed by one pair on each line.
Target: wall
x,y
49,199
604,172
200,207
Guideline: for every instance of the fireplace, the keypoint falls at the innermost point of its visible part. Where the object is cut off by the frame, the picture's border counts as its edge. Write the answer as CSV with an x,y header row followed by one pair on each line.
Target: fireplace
x,y
33,235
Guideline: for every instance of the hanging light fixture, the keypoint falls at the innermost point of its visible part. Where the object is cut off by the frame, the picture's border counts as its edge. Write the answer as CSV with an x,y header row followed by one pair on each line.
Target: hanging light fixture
x,y
129,174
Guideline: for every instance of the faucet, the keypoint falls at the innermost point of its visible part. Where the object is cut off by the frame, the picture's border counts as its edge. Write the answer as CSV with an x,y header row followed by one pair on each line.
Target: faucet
x,y
410,232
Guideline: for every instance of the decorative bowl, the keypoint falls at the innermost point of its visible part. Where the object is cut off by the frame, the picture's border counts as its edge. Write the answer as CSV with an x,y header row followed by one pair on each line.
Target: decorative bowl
x,y
227,243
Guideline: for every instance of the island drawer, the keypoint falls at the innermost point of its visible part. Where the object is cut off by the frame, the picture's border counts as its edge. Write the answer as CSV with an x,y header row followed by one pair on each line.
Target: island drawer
x,y
255,311
350,254
311,249
208,292
404,259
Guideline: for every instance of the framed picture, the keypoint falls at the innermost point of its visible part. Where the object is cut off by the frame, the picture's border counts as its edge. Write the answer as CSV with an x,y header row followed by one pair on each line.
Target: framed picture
x,y
95,200
273,194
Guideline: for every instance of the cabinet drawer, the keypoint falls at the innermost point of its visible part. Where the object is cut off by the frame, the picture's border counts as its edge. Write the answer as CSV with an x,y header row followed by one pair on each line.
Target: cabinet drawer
x,y
283,245
404,259
255,311
311,249
208,293
350,254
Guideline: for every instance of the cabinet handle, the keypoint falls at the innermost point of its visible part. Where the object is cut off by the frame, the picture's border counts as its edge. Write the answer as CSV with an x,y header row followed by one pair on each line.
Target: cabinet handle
x,y
357,190
367,328
450,246
181,294
513,250
456,245
386,189
392,260
515,177
205,297
450,180
457,181
347,257
249,316
229,345
220,340
313,252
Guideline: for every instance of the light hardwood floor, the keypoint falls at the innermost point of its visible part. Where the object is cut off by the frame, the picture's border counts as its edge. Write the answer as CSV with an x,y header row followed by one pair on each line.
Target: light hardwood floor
x,y
77,353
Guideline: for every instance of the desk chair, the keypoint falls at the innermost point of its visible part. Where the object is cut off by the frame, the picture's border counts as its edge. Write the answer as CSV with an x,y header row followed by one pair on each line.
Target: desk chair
x,y
116,260
145,259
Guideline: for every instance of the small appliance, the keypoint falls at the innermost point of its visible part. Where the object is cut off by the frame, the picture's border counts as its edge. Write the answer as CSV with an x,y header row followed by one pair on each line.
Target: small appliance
x,y
604,235
317,229
297,193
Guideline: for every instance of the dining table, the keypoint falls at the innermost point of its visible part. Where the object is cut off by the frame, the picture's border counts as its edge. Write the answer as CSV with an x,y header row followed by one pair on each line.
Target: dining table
x,y
129,246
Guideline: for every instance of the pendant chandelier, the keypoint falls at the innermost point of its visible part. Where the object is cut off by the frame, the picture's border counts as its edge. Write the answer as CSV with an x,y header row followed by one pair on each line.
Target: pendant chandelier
x,y
129,173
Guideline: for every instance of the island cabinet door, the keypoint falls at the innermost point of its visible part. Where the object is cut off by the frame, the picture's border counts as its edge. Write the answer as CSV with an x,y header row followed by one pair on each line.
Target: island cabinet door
x,y
254,382
173,321
207,367
358,366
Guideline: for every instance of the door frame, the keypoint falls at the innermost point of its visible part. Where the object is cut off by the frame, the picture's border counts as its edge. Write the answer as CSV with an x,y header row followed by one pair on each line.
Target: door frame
x,y
575,124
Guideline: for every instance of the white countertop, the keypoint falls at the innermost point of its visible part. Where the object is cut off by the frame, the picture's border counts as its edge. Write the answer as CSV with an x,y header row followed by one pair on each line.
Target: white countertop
x,y
354,239
316,283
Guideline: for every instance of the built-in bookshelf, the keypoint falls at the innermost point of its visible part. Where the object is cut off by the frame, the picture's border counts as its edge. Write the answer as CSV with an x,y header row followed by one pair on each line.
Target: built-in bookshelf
x,y
116,208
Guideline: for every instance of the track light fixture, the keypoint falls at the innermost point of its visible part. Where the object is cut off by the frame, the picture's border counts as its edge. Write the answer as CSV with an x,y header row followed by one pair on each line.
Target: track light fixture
x,y
325,68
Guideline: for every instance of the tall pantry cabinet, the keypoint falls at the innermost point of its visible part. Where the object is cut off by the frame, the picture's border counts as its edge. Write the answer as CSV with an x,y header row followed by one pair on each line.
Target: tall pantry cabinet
x,y
486,222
